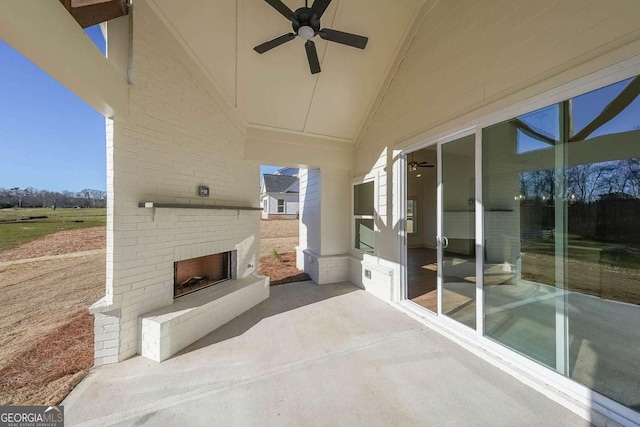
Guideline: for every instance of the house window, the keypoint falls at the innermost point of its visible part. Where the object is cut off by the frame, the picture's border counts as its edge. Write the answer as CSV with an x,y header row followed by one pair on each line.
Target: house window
x,y
363,209
411,216
264,205
280,205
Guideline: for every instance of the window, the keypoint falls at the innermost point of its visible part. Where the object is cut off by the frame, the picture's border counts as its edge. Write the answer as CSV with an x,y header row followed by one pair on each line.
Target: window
x,y
363,209
411,216
280,205
264,205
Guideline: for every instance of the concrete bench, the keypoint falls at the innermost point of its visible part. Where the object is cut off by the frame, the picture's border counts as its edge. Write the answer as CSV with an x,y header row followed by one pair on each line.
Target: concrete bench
x,y
167,330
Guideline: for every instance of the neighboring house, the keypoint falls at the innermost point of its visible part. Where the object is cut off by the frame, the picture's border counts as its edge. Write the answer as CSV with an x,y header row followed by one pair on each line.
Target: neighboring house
x,y
504,98
279,196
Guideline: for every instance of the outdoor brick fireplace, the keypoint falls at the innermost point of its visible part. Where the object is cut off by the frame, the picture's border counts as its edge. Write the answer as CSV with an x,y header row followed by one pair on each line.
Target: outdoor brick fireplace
x,y
193,274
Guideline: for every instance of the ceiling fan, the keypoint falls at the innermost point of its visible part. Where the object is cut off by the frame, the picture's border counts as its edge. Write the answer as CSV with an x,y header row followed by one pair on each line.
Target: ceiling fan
x,y
413,165
306,24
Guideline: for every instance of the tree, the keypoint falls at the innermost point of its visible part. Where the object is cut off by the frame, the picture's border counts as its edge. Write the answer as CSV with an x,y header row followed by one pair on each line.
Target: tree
x,y
18,195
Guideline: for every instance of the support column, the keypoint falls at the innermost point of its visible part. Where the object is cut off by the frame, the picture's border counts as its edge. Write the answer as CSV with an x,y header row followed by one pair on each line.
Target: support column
x,y
325,200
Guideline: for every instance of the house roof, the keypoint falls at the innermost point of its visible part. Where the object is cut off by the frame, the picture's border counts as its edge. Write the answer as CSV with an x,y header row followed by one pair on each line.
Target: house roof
x,y
287,171
280,184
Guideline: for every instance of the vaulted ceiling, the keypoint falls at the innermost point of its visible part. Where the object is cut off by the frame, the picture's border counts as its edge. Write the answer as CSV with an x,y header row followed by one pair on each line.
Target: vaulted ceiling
x,y
276,90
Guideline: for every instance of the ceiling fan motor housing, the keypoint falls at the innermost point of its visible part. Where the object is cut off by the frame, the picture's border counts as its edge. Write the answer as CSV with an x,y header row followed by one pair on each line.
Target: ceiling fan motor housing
x,y
305,17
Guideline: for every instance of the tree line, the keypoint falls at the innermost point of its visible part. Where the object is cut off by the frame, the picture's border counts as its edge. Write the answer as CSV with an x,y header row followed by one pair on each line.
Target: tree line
x,y
30,197
585,183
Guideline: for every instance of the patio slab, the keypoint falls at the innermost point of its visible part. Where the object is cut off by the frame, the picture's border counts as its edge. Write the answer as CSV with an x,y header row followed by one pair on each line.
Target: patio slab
x,y
314,355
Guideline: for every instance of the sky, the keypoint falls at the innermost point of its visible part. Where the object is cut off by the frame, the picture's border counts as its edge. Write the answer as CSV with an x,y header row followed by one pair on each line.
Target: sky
x,y
49,138
584,109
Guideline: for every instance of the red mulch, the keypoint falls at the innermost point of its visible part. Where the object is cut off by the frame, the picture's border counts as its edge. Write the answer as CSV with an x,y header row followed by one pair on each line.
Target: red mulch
x,y
46,371
281,272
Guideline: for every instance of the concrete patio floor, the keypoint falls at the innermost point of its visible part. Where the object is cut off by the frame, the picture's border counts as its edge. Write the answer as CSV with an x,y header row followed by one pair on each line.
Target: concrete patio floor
x,y
314,355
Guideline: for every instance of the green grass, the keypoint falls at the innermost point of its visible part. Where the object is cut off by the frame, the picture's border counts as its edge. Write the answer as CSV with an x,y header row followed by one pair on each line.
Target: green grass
x,y
14,234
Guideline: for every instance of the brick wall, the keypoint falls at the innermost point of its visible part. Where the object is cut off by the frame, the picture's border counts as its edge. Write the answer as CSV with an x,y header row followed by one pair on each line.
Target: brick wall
x,y
174,139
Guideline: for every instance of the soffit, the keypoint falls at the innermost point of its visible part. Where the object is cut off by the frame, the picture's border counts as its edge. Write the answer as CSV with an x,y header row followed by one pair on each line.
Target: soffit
x,y
276,90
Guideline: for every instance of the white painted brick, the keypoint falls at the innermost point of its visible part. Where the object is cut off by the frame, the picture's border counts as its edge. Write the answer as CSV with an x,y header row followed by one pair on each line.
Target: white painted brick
x,y
175,138
110,344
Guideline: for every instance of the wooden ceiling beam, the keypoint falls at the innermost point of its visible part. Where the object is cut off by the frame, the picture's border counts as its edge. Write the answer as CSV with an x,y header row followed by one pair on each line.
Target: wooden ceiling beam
x,y
91,12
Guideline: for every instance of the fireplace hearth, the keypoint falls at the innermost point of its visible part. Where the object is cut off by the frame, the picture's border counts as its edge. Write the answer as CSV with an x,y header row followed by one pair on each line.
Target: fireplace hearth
x,y
193,274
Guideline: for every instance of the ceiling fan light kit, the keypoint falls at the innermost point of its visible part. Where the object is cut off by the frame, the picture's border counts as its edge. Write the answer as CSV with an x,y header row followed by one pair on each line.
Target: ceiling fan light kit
x,y
305,22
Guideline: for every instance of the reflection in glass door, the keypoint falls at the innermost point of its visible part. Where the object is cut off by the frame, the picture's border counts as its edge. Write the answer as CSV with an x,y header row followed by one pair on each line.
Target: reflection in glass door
x,y
561,196
457,242
421,228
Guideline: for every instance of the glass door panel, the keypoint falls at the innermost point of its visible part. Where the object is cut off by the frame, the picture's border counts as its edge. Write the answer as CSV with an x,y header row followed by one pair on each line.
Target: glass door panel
x,y
457,233
523,218
421,228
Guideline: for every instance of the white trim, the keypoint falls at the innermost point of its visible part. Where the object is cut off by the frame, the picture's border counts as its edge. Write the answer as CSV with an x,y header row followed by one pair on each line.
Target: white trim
x,y
414,216
46,34
400,292
479,237
439,229
375,217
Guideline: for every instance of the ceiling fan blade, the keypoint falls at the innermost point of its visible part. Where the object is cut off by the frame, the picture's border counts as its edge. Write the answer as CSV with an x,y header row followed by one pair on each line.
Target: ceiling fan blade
x,y
319,6
425,165
312,55
282,8
349,39
264,47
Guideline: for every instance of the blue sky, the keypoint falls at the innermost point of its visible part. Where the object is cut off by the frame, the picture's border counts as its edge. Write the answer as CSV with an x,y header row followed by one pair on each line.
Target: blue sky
x,y
584,109
49,138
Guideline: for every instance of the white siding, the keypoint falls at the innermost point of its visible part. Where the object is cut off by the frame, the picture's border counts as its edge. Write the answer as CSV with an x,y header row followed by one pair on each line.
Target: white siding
x,y
336,207
310,237
467,55
290,203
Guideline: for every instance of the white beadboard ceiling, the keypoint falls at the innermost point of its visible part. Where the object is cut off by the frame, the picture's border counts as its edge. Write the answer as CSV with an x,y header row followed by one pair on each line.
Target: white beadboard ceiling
x,y
276,90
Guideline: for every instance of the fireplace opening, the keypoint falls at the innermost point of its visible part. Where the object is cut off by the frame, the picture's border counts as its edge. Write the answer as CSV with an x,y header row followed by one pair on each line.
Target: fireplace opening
x,y
193,274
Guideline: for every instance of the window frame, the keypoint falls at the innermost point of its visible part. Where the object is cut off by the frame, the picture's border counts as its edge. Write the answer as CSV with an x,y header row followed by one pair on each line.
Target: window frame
x,y
283,206
414,216
354,217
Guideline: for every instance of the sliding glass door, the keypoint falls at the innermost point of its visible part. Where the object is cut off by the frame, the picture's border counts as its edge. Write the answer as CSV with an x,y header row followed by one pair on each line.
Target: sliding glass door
x,y
457,243
561,196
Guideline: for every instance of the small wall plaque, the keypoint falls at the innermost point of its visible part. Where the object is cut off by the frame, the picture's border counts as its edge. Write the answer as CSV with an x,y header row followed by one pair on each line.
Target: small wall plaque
x,y
203,191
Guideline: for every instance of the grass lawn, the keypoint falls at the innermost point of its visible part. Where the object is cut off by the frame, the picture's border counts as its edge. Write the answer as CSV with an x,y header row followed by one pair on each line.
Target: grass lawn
x,y
15,233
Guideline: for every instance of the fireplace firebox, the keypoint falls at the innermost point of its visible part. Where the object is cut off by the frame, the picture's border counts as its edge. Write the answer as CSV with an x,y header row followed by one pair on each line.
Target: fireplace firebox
x,y
193,274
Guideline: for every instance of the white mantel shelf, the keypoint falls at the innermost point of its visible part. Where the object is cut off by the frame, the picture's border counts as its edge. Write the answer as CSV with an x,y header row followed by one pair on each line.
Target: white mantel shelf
x,y
186,206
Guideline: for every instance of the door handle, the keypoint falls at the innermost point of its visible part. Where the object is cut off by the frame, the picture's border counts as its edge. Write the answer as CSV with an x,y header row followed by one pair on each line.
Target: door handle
x,y
445,242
